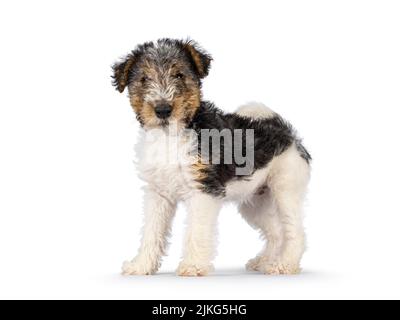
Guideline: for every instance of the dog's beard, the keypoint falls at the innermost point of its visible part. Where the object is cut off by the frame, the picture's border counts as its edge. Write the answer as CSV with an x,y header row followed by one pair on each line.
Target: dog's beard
x,y
164,123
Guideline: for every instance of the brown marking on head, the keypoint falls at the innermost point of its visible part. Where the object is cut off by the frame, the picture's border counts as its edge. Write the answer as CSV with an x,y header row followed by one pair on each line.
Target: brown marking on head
x,y
201,59
186,104
121,72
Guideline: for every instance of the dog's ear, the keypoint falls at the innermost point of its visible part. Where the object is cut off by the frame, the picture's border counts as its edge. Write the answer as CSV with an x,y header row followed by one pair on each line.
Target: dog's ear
x,y
201,60
121,71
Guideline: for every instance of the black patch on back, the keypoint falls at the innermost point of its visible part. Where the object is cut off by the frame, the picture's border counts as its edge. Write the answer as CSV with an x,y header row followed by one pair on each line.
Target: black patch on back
x,y
272,136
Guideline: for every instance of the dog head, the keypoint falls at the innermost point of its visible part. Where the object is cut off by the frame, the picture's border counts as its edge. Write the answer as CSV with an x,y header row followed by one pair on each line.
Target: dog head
x,y
163,80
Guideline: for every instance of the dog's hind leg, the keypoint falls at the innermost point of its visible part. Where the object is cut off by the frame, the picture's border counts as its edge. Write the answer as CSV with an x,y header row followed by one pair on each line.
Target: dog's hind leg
x,y
261,211
287,180
262,214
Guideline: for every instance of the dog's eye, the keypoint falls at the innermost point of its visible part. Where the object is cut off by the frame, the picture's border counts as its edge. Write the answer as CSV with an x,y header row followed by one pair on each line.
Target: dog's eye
x,y
144,79
179,75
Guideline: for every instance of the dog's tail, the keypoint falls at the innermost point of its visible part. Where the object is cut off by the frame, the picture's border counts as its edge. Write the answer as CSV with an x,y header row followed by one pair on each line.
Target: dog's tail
x,y
255,110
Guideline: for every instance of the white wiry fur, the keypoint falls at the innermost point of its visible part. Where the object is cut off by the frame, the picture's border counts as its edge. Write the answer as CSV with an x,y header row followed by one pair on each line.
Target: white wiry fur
x,y
270,201
200,238
255,110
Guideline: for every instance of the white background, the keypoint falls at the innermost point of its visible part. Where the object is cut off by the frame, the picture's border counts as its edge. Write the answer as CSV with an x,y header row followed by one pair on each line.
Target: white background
x,y
70,199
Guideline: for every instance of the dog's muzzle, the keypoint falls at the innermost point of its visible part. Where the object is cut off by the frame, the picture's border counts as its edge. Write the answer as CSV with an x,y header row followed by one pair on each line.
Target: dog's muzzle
x,y
163,111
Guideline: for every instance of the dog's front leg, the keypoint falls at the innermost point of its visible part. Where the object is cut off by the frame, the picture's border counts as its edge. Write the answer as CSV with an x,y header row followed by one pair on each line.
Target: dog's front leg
x,y
159,212
199,247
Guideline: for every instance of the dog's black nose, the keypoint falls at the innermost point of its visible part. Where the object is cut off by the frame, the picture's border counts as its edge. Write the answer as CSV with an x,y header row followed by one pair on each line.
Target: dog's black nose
x,y
163,111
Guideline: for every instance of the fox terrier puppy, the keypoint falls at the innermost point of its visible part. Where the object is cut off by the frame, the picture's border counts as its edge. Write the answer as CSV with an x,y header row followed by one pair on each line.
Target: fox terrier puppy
x,y
193,152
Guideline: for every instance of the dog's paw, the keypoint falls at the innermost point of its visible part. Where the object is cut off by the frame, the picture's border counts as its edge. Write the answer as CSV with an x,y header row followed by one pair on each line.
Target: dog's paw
x,y
255,263
137,268
193,269
278,268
